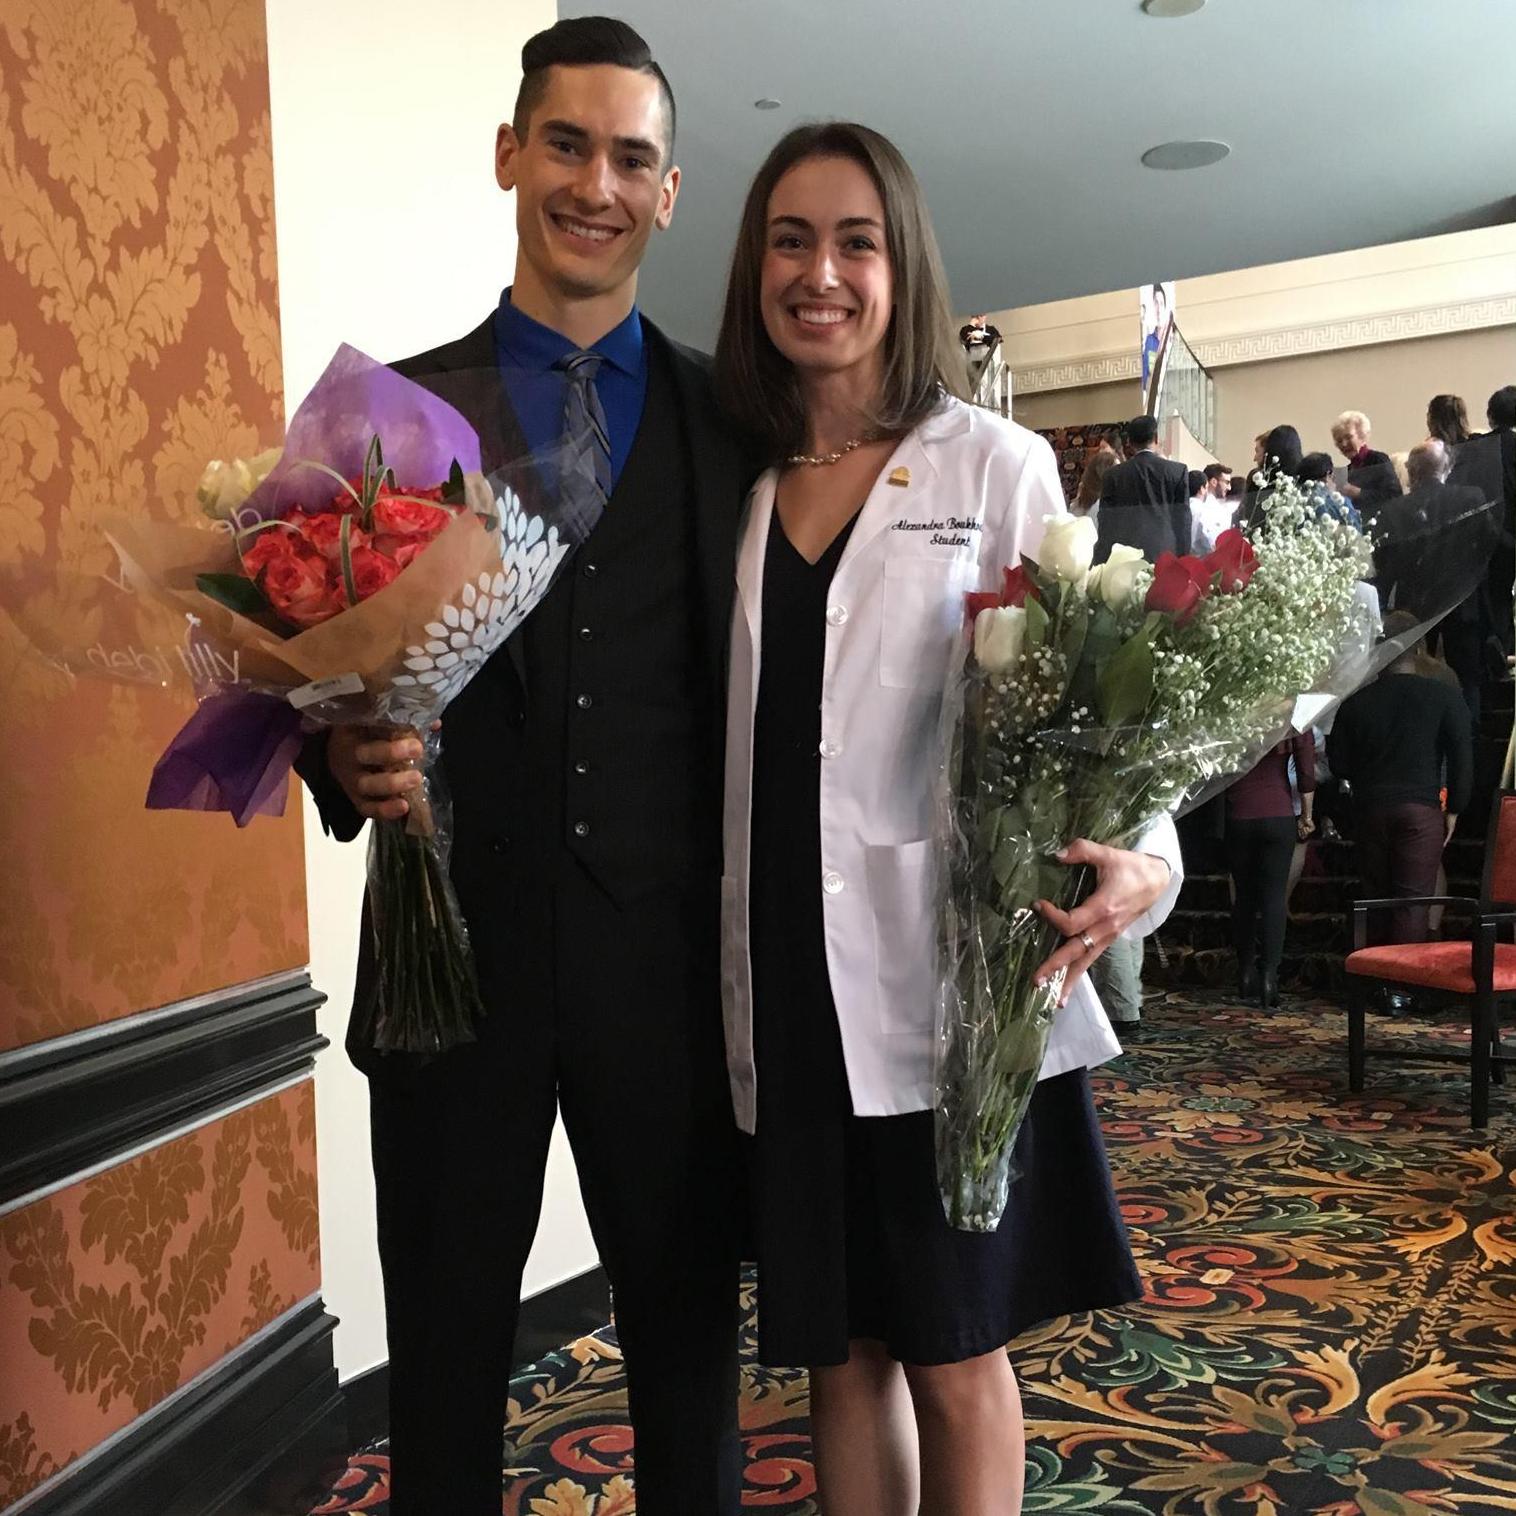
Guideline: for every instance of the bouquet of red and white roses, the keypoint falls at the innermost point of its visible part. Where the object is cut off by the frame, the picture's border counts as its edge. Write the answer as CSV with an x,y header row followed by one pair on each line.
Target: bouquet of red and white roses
x,y
1091,702
360,575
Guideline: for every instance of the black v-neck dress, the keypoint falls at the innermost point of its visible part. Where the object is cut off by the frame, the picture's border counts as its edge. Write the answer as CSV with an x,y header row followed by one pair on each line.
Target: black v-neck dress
x,y
850,1237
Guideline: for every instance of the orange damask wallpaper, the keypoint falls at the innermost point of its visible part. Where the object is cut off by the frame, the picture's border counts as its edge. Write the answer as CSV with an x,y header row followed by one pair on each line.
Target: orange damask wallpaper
x,y
119,1289
139,338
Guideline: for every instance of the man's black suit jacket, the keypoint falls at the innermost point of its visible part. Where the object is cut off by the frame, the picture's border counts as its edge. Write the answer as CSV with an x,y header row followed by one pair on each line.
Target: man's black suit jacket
x,y
484,728
1145,503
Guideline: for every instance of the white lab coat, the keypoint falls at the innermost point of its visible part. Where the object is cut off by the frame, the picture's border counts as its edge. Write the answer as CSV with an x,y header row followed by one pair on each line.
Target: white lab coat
x,y
964,495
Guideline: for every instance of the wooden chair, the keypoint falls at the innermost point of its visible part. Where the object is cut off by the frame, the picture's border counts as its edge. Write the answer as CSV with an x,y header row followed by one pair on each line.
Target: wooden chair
x,y
1481,970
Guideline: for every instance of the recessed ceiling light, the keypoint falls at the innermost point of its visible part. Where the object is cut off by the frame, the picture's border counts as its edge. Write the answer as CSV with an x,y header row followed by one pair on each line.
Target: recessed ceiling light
x,y
768,103
1168,9
1175,155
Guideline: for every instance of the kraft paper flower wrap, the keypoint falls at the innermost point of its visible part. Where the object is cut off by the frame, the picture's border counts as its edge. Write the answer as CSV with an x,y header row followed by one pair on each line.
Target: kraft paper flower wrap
x,y
393,655
1091,701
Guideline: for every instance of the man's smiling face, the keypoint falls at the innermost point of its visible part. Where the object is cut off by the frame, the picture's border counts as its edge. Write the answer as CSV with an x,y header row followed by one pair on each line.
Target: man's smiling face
x,y
590,178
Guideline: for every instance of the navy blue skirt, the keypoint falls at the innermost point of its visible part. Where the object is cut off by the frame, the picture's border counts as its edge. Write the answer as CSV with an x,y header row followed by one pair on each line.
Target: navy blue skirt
x,y
852,1241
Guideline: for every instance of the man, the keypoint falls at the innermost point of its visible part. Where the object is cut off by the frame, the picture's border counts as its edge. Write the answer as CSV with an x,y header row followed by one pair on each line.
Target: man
x,y
1218,481
1371,478
980,341
587,841
1397,741
1424,544
1488,465
1145,501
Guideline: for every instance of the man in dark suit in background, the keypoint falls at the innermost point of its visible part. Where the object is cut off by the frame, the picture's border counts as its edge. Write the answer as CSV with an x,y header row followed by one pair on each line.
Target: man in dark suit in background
x,y
1144,502
584,765
1488,464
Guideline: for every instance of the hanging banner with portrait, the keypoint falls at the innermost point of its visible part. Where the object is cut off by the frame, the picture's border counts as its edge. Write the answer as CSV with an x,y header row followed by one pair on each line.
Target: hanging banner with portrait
x,y
1157,316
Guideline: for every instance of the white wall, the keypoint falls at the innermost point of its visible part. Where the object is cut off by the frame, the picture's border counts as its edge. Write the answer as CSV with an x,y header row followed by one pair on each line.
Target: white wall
x,y
392,236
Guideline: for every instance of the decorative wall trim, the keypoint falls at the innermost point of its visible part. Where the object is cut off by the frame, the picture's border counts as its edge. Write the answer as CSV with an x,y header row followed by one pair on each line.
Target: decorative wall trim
x,y
551,1319
263,1430
73,1103
1280,342
1107,368
1364,331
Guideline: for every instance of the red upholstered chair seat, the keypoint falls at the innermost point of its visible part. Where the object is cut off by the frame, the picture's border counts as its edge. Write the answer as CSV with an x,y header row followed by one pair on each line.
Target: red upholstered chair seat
x,y
1438,965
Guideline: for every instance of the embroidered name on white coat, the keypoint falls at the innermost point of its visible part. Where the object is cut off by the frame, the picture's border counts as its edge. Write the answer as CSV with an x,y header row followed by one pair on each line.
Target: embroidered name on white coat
x,y
946,533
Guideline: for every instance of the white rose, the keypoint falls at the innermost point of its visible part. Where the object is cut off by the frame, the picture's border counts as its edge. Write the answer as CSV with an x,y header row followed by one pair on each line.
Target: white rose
x,y
1115,580
999,633
224,487
1068,545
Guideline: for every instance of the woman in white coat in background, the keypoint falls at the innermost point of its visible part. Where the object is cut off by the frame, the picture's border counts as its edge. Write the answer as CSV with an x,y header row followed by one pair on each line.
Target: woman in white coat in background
x,y
889,500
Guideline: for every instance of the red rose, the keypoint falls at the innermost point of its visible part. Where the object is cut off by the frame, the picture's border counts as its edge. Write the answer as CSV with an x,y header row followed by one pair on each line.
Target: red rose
x,y
1233,559
403,550
324,533
979,600
269,546
300,587
372,572
1018,584
408,518
1179,585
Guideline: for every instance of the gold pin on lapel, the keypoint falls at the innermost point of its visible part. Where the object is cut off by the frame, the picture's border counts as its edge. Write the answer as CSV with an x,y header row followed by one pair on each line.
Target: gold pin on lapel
x,y
900,476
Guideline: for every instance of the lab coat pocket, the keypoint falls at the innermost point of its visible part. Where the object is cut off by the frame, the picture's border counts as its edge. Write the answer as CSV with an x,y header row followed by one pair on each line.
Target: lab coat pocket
x,y
923,620
903,880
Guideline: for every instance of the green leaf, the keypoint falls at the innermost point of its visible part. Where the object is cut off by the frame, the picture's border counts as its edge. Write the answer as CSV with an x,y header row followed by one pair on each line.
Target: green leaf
x,y
1036,622
1011,864
1126,684
346,540
234,591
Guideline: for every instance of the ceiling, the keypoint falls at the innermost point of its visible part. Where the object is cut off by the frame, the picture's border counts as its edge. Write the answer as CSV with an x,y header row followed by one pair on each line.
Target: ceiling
x,y
1351,122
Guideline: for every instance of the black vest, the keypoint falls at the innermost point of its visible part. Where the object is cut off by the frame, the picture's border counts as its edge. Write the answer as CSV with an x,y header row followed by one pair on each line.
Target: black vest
x,y
618,727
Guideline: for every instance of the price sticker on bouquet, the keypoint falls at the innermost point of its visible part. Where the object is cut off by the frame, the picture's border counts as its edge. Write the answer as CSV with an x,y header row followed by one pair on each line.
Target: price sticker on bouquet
x,y
330,688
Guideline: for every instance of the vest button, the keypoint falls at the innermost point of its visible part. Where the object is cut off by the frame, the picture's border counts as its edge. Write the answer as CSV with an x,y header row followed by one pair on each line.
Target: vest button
x,y
832,883
584,702
499,844
590,570
581,767
581,828
836,615
585,634
830,749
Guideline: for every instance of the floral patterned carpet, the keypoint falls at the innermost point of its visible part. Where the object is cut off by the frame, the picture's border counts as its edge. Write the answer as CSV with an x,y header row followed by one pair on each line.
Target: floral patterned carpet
x,y
1330,1325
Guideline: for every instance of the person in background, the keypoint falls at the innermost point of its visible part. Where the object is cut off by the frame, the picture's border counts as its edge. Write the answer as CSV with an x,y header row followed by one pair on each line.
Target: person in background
x,y
1262,832
1314,472
1488,464
1397,742
1280,452
979,341
1145,502
1210,509
1371,477
1448,422
1086,500
1260,443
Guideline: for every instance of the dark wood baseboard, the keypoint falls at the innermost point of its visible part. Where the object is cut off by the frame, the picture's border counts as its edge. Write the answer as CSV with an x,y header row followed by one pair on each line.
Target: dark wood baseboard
x,y
81,1100
261,1434
549,1320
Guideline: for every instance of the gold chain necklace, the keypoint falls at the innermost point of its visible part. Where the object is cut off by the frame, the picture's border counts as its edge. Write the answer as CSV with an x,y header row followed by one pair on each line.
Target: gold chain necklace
x,y
822,459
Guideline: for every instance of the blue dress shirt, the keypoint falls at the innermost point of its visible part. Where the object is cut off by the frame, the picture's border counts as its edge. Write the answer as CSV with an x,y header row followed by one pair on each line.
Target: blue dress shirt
x,y
526,352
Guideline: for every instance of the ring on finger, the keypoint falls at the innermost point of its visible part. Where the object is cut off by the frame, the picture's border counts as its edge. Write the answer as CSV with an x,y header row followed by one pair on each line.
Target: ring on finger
x,y
1088,941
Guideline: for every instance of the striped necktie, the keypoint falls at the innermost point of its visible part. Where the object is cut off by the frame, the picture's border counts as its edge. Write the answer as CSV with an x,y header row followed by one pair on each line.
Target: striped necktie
x,y
586,470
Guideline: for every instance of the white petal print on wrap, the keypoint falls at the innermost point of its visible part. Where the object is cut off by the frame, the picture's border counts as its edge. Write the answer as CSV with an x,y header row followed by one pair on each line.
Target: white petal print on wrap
x,y
485,612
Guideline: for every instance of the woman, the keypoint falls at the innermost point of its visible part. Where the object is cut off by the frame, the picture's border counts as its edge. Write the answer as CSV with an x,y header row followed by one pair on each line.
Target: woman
x,y
888,500
1086,500
1278,454
1448,422
1262,833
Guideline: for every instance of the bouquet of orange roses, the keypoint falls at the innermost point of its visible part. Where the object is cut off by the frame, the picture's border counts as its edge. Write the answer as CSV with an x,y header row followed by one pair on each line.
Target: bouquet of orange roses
x,y
362,574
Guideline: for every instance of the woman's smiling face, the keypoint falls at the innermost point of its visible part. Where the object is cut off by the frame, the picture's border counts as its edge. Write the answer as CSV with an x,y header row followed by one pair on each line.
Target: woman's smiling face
x,y
827,287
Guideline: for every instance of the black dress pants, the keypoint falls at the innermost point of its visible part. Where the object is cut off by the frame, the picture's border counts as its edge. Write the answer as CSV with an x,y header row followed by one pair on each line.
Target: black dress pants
x,y
615,1018
1399,849
1258,855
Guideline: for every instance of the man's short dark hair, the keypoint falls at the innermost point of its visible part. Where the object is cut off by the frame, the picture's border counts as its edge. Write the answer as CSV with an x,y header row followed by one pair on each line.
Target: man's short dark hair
x,y
1502,407
1197,481
583,42
1216,470
1142,431
1314,467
